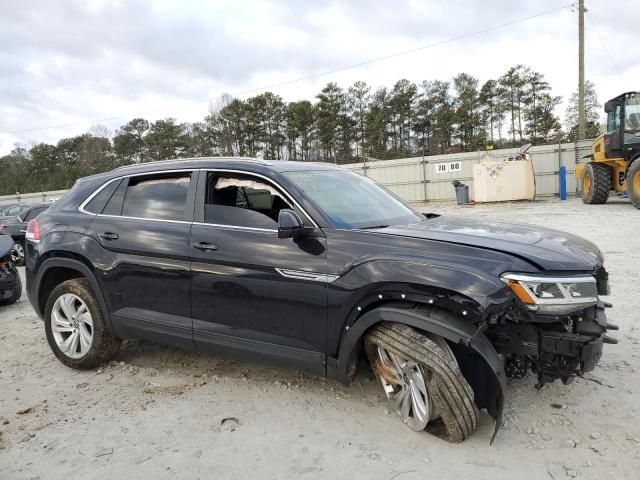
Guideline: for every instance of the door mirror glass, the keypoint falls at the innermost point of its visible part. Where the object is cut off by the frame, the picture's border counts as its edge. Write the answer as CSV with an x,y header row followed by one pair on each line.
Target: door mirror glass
x,y
289,224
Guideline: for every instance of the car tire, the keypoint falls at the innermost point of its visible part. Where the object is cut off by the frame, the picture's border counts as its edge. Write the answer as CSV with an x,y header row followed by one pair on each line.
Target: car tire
x,y
75,326
17,292
596,183
442,402
633,183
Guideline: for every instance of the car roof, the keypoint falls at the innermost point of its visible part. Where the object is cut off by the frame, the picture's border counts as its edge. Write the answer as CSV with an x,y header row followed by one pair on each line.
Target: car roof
x,y
243,163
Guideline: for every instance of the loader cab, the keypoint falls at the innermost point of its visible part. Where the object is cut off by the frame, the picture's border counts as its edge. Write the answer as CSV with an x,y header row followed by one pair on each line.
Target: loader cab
x,y
622,139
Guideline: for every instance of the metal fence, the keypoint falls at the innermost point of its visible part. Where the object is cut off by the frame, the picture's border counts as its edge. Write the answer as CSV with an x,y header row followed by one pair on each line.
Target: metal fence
x,y
423,179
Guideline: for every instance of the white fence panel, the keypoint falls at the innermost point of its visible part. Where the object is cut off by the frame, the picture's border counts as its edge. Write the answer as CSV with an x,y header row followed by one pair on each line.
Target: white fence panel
x,y
420,179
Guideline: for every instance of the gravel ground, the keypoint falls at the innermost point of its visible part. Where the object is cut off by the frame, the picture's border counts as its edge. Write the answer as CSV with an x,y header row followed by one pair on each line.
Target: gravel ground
x,y
161,412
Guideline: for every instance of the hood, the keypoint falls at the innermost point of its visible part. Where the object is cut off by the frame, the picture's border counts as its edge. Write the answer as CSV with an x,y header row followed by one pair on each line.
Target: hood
x,y
546,248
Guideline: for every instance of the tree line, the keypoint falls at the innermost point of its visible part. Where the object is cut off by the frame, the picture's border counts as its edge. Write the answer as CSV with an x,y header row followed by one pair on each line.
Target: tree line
x,y
341,125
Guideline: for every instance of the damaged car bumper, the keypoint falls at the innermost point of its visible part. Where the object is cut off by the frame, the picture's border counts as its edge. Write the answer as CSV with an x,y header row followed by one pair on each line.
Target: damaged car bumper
x,y
565,355
8,280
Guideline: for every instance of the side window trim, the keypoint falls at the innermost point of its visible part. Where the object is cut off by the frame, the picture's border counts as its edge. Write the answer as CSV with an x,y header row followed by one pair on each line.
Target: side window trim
x,y
201,194
191,195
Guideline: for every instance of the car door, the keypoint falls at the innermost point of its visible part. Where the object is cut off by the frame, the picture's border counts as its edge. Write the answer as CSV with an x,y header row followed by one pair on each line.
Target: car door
x,y
143,258
251,291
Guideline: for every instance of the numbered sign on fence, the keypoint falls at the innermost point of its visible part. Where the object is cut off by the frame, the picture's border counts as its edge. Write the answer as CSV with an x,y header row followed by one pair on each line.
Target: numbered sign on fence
x,y
448,167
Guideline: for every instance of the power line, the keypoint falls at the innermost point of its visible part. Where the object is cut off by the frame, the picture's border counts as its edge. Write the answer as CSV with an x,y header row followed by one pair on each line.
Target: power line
x,y
319,74
604,45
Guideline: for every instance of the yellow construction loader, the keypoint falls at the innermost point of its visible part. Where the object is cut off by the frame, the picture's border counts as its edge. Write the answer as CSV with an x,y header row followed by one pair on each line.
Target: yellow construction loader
x,y
615,156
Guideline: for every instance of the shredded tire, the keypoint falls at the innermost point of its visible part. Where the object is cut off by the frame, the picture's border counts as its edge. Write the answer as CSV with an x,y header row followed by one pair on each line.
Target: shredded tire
x,y
103,347
448,388
600,176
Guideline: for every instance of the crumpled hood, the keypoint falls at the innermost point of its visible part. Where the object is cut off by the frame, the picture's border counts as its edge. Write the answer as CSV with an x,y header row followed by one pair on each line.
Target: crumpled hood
x,y
548,249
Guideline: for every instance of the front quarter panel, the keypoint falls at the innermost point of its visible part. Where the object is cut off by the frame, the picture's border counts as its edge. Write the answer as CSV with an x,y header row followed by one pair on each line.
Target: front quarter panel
x,y
375,269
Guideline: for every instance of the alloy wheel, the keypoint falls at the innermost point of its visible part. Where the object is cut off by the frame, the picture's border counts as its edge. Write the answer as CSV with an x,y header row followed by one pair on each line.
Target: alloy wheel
x,y
405,384
72,325
17,253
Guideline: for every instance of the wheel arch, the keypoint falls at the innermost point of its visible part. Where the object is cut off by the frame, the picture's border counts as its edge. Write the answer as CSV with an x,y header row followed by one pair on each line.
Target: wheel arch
x,y
55,270
487,378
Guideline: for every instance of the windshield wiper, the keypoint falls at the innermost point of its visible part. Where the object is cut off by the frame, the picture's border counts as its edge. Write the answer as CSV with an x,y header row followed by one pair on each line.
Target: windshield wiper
x,y
373,226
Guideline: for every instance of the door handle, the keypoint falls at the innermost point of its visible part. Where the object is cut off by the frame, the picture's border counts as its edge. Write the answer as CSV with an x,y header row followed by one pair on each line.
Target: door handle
x,y
205,246
109,236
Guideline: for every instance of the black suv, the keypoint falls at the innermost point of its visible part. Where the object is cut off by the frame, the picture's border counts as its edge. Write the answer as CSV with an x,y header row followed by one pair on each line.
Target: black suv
x,y
320,269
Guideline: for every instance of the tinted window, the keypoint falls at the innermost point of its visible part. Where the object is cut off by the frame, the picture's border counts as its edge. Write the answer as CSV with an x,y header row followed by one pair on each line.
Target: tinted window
x,y
243,201
34,213
158,197
97,204
114,205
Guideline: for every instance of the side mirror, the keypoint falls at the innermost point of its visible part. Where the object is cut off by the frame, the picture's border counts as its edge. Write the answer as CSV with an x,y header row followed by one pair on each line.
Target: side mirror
x,y
289,224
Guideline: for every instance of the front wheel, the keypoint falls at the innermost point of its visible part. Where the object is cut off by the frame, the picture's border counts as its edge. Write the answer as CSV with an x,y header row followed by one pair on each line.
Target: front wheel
x,y
422,381
75,327
596,183
633,183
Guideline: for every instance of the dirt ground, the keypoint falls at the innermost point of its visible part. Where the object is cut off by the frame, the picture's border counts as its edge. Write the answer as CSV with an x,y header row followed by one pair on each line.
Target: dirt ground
x,y
159,412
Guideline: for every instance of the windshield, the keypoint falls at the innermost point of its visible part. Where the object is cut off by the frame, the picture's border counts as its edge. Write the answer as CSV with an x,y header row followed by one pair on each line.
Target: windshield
x,y
351,200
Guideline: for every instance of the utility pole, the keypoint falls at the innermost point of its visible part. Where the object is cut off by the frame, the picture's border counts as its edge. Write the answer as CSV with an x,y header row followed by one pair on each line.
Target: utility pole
x,y
581,113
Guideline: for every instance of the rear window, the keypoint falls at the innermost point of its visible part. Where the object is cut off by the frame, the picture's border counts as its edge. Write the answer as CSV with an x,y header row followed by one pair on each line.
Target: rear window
x,y
17,210
34,213
157,197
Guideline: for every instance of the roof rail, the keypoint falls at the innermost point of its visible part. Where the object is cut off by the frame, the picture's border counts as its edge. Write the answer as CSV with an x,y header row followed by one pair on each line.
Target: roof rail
x,y
200,159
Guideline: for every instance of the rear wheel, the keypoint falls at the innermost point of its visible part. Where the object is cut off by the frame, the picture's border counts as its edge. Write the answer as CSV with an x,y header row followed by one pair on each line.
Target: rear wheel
x,y
596,183
75,327
633,183
422,381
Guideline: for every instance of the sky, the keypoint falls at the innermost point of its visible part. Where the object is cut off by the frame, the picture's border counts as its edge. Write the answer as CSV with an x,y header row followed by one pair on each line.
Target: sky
x,y
66,66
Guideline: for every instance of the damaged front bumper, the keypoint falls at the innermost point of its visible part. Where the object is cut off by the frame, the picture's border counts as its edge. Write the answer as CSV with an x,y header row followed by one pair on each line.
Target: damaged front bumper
x,y
554,347
565,355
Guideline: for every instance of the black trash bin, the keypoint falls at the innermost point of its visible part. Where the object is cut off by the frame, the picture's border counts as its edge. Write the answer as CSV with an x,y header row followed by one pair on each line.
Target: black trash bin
x,y
462,192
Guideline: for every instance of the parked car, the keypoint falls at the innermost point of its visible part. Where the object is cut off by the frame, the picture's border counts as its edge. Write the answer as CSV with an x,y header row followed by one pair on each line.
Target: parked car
x,y
16,227
320,269
10,283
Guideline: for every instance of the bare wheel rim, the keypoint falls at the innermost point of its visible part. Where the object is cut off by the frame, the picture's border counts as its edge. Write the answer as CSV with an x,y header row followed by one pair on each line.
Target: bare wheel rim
x,y
405,385
72,325
636,183
17,253
586,184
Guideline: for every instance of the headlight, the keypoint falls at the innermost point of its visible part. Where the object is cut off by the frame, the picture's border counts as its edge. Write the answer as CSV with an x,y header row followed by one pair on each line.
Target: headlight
x,y
553,295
